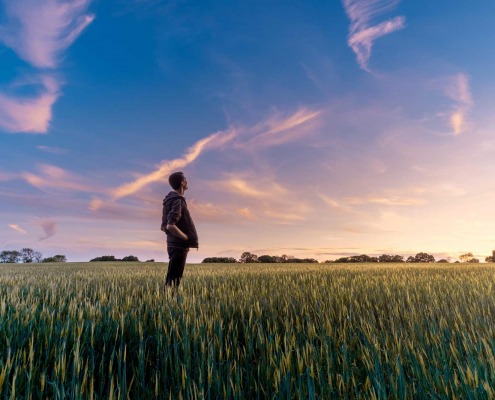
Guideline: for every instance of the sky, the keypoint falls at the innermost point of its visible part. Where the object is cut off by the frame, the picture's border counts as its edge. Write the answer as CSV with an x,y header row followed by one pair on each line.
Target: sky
x,y
316,129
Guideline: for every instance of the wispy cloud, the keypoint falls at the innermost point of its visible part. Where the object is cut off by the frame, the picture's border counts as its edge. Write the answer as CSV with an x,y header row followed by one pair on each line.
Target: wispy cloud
x,y
243,187
164,169
362,34
17,228
40,31
51,149
276,129
335,204
387,201
5,177
50,229
53,177
279,128
29,114
458,90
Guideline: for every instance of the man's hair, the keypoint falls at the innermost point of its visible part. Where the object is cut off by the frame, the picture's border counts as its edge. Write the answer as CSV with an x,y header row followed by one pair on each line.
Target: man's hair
x,y
175,180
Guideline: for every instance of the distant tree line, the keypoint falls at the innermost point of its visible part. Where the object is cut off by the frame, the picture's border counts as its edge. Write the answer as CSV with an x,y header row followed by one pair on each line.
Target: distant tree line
x,y
27,255
418,258
248,257
112,258
421,257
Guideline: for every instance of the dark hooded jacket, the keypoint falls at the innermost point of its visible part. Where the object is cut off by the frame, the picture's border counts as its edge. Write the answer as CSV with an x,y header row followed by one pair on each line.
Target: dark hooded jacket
x,y
175,212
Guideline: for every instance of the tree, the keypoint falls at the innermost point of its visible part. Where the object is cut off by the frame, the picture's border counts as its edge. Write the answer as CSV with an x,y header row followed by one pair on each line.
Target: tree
x,y
390,258
248,257
443,260
55,258
266,259
214,260
468,258
104,258
38,257
363,258
27,255
130,258
421,258
10,256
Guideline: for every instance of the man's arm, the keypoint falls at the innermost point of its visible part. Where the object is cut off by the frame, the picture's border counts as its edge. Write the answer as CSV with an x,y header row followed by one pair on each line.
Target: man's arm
x,y
176,232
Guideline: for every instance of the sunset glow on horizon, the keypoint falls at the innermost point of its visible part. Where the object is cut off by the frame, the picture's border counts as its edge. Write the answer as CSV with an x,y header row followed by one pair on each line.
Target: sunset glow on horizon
x,y
307,128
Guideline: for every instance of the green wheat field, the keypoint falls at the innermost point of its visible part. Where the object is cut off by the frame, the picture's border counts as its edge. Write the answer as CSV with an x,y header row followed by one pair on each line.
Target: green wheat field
x,y
247,331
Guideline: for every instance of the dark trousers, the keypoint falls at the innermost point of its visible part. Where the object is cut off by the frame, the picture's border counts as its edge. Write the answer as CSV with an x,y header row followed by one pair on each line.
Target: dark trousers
x,y
177,261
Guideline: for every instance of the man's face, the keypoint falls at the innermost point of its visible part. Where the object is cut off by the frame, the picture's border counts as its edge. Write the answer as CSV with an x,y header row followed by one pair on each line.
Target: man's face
x,y
184,183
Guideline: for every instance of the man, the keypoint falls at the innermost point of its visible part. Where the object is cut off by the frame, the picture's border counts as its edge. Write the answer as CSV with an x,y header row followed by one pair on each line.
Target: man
x,y
179,227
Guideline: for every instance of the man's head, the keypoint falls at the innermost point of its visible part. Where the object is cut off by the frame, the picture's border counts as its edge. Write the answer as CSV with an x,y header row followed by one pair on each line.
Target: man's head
x,y
177,180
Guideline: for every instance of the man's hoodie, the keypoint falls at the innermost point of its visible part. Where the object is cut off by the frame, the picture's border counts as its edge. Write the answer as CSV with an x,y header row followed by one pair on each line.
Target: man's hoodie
x,y
175,212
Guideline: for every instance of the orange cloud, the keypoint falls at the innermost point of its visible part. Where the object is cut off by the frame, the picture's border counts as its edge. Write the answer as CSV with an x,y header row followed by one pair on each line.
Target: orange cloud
x,y
459,91
389,201
17,228
263,188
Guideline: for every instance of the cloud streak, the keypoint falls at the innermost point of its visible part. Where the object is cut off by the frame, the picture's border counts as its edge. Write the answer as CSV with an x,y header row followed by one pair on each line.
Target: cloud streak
x,y
40,31
279,129
244,188
273,131
54,177
362,34
51,149
50,229
29,115
164,169
17,228
458,90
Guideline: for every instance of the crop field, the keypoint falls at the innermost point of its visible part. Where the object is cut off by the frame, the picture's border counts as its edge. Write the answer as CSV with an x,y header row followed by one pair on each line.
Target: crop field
x,y
247,331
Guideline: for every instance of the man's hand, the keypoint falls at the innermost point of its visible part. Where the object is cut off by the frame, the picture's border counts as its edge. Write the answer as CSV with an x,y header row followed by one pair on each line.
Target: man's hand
x,y
177,232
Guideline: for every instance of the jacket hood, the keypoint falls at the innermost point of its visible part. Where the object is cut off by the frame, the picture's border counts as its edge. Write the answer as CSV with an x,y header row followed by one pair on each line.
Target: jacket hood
x,y
171,195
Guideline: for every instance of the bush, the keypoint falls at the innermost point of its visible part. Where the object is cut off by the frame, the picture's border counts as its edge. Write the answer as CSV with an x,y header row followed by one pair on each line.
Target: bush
x,y
104,258
219,260
55,258
130,258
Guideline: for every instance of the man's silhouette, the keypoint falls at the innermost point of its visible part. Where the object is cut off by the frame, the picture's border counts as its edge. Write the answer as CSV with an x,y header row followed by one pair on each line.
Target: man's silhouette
x,y
179,227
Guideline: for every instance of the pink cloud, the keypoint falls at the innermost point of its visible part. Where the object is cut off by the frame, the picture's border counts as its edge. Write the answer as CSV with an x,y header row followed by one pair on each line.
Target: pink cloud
x,y
39,31
17,228
458,90
261,134
362,34
50,229
52,150
29,115
51,176
279,128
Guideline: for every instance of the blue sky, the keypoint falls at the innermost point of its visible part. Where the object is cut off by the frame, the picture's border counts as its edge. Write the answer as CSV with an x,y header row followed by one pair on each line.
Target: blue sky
x,y
309,128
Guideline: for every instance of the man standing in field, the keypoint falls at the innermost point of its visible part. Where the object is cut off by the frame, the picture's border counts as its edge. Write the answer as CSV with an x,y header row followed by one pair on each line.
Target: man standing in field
x,y
179,227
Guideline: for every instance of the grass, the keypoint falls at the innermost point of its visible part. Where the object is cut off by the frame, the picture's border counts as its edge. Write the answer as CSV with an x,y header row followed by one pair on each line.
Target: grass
x,y
283,331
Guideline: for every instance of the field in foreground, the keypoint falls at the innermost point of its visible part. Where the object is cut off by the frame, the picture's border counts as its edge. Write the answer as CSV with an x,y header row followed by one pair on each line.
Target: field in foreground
x,y
103,330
